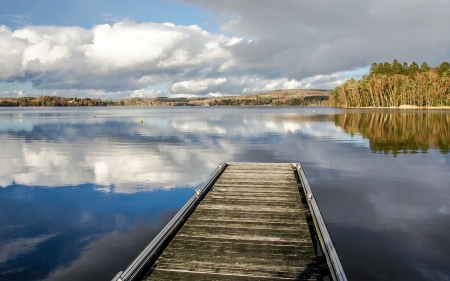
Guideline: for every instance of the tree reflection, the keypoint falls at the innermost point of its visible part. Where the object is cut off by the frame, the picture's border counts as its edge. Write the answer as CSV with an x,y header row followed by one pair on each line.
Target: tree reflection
x,y
399,133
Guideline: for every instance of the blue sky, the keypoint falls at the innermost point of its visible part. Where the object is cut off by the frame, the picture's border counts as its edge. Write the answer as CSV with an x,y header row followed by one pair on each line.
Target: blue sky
x,y
122,49
87,13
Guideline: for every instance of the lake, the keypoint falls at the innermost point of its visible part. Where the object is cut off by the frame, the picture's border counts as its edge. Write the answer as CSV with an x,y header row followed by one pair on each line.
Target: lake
x,y
83,190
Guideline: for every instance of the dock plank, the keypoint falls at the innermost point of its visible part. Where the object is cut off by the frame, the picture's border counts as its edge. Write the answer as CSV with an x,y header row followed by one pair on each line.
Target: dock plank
x,y
250,226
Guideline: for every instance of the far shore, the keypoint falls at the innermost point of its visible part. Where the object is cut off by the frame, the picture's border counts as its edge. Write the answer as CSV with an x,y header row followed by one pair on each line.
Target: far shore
x,y
404,107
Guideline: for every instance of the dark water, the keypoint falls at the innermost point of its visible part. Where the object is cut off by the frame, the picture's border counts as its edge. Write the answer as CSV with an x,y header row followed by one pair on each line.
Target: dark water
x,y
81,196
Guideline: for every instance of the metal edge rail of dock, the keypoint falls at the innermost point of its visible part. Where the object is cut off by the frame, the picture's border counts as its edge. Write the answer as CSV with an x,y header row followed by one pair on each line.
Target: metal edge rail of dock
x,y
326,243
146,261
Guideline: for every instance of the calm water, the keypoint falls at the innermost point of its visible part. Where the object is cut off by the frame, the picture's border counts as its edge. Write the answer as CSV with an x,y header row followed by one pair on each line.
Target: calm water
x,y
81,196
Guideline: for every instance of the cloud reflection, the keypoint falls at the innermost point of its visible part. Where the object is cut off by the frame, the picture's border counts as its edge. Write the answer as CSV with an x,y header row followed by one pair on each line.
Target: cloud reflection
x,y
12,249
104,257
123,155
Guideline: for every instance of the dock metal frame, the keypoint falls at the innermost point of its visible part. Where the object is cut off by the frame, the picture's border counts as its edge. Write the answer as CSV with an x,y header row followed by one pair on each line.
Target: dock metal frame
x,y
144,261
140,266
334,264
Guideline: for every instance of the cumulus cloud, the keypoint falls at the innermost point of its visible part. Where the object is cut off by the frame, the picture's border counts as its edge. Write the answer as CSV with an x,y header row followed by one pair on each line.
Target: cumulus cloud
x,y
146,93
120,57
263,45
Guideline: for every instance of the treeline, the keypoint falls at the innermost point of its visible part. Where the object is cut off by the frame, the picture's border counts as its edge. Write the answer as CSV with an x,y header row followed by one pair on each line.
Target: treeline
x,y
55,101
318,99
272,101
399,133
396,84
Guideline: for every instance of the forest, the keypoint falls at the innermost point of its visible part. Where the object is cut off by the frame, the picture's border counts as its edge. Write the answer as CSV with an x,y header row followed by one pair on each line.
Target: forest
x,y
395,85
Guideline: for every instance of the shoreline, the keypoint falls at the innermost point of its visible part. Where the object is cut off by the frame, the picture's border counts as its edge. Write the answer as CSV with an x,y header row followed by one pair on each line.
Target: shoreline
x,y
409,107
402,107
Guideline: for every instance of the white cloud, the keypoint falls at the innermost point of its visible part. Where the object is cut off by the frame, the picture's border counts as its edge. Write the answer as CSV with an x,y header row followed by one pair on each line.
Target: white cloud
x,y
196,86
121,57
146,93
19,93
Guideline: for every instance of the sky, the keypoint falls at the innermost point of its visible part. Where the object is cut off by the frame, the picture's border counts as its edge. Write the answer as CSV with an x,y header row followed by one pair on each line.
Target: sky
x,y
139,48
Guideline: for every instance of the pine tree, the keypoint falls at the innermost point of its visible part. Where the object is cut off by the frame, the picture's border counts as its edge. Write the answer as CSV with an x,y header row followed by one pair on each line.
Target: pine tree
x,y
444,68
413,68
387,68
373,68
397,68
405,67
424,67
380,68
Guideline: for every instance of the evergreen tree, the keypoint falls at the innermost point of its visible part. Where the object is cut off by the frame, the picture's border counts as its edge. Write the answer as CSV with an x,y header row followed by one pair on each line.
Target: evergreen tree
x,y
405,66
397,68
444,68
413,68
373,68
424,67
380,68
387,68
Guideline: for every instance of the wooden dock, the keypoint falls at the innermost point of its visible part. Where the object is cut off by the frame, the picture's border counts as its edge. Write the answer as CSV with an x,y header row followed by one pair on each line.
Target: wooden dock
x,y
252,223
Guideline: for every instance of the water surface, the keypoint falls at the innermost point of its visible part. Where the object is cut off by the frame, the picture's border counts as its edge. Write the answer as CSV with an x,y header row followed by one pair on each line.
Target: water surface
x,y
82,191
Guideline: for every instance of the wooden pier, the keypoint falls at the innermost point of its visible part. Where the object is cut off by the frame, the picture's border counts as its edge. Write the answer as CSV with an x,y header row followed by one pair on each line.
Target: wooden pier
x,y
252,222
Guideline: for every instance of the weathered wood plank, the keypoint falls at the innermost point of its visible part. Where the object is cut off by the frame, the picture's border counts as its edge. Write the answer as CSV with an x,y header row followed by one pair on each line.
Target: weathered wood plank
x,y
233,215
262,208
210,243
250,226
220,275
248,181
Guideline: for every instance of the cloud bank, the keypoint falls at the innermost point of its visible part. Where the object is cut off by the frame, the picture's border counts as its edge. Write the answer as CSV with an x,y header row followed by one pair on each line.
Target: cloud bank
x,y
263,46
122,57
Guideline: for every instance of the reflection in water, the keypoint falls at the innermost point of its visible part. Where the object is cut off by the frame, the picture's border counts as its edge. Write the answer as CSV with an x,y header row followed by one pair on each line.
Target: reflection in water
x,y
81,196
119,154
103,257
399,133
67,233
307,118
